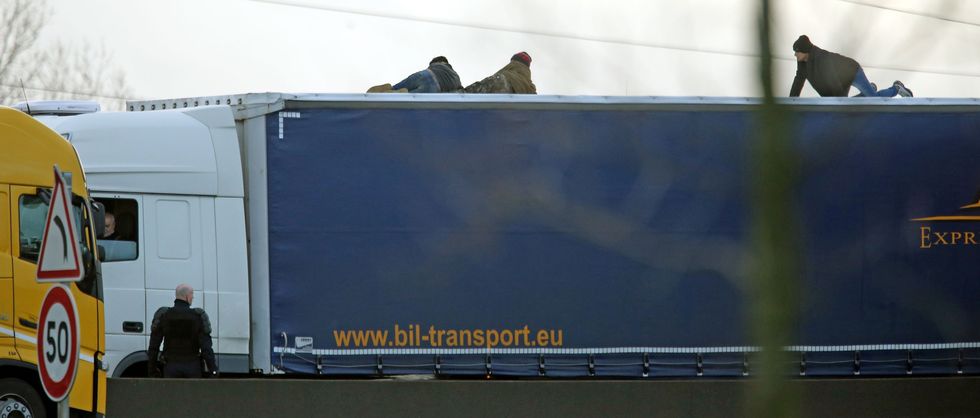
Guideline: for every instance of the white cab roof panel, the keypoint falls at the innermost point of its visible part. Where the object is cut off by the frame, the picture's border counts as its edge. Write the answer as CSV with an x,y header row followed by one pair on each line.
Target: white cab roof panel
x,y
190,151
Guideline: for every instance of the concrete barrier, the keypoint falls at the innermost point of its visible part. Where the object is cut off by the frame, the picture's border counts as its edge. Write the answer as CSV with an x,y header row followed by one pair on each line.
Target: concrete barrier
x,y
837,398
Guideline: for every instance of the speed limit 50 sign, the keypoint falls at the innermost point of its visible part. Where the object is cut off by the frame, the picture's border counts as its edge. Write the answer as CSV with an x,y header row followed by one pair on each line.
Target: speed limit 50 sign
x,y
58,342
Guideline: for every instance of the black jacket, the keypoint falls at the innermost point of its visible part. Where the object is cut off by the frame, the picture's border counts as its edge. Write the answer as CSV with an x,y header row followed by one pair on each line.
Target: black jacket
x,y
829,74
186,334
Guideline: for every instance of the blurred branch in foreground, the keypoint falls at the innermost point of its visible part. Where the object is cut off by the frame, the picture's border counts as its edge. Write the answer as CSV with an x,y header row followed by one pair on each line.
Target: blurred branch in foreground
x,y
775,270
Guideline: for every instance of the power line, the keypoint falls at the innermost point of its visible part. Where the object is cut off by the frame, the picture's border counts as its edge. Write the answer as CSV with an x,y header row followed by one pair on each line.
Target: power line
x,y
929,15
554,34
914,70
74,93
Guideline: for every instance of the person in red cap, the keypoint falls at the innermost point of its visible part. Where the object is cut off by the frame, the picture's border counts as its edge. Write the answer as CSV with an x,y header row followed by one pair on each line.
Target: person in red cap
x,y
514,78
833,74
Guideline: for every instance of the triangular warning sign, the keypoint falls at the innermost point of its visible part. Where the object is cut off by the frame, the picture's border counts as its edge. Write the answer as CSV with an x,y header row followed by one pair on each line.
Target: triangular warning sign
x,y
60,259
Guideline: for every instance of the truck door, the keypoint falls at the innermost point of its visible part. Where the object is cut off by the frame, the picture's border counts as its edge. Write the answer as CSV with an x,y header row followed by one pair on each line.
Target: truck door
x,y
123,276
28,215
175,230
6,278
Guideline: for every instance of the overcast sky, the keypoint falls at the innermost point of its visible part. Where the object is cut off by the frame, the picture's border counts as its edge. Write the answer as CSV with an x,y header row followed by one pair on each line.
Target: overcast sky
x,y
180,48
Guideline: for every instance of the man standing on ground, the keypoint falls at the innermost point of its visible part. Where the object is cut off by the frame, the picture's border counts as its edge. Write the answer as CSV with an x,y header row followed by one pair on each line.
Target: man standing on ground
x,y
186,334
833,74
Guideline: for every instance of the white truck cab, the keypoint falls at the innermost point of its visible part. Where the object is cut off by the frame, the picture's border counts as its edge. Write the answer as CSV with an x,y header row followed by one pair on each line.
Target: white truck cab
x,y
172,181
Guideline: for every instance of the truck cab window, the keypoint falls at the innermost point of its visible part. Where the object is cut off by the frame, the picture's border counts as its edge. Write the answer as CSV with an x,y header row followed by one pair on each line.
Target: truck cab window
x,y
120,238
33,213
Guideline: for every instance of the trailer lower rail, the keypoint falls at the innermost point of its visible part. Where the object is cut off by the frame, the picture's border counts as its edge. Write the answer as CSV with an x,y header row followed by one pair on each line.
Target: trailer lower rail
x,y
839,360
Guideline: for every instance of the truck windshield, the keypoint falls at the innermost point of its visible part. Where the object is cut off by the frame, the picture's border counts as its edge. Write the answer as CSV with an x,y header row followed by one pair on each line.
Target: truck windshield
x,y
33,210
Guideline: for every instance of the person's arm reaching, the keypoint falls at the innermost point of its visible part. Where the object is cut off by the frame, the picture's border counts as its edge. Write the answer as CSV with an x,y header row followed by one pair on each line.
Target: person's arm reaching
x,y
799,80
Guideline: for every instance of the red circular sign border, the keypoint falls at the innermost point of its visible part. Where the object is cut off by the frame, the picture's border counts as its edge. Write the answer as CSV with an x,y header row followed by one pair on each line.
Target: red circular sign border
x,y
57,391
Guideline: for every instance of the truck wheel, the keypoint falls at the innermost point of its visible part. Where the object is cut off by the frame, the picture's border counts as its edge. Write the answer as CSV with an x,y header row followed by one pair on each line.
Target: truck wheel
x,y
19,400
135,370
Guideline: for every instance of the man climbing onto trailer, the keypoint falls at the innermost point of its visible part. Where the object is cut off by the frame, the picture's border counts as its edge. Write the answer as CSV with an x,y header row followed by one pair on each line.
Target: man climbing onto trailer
x,y
832,74
440,77
514,78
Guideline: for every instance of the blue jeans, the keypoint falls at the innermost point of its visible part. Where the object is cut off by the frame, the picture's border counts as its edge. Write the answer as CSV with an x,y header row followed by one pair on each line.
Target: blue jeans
x,y
864,86
420,82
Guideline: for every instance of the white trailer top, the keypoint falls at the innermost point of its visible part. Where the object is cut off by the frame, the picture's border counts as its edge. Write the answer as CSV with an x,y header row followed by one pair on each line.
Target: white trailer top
x,y
250,105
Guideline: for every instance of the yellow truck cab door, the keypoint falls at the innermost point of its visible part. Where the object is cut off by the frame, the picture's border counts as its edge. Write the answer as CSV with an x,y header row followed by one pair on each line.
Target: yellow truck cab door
x,y
28,216
6,279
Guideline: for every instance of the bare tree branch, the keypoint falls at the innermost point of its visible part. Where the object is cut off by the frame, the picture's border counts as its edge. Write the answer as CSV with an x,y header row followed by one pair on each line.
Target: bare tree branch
x,y
55,71
23,21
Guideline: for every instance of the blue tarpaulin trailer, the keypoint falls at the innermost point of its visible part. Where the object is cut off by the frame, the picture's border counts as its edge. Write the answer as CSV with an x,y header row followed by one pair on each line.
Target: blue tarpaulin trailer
x,y
587,236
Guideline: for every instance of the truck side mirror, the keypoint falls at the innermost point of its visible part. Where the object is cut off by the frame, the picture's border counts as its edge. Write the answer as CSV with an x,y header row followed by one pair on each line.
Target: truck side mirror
x,y
98,219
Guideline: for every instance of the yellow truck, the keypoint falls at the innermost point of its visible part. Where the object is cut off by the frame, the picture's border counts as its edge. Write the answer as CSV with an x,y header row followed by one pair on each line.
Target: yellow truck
x,y
28,150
